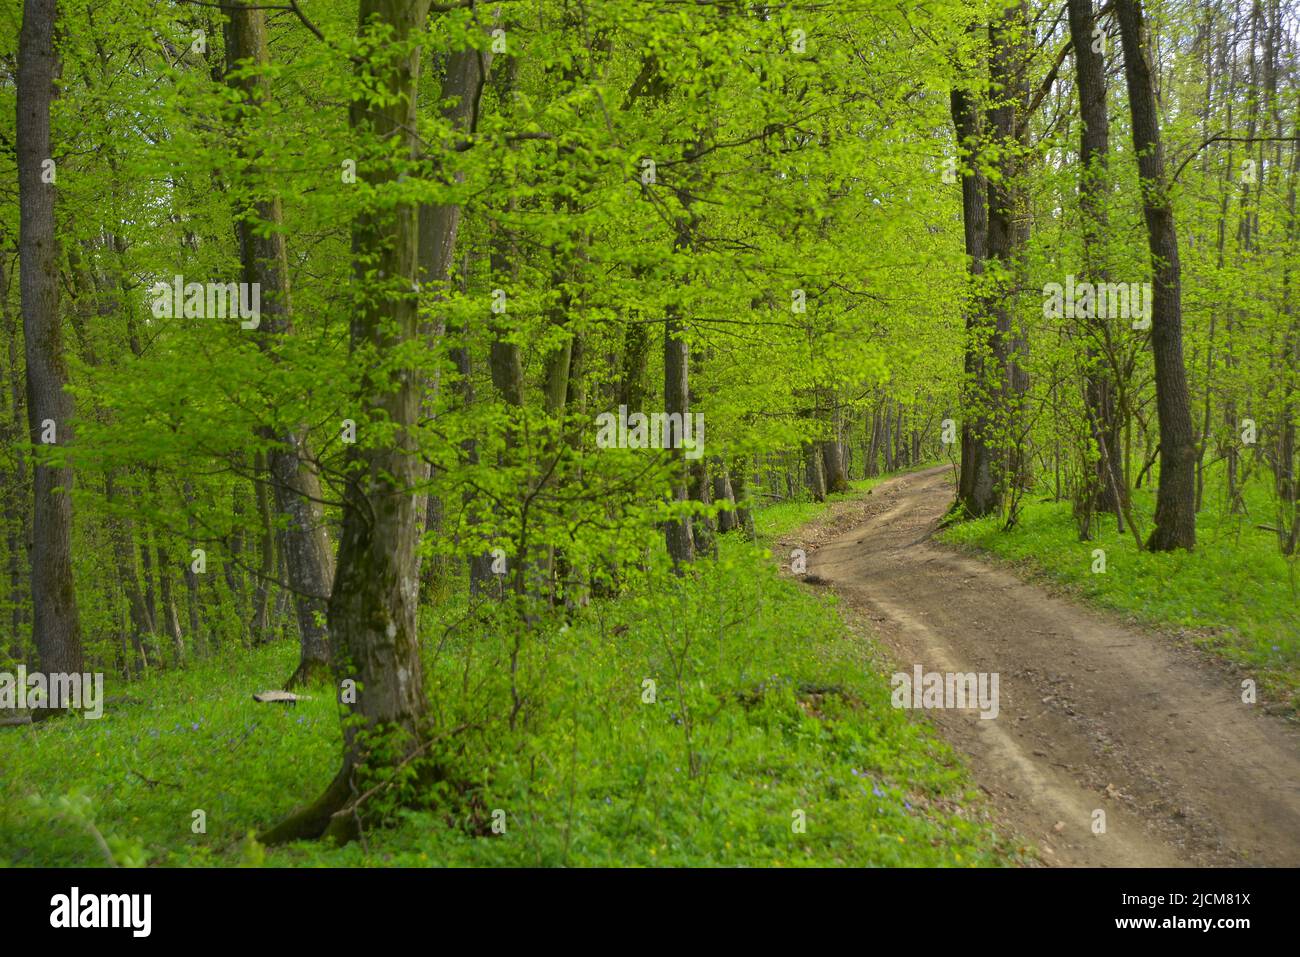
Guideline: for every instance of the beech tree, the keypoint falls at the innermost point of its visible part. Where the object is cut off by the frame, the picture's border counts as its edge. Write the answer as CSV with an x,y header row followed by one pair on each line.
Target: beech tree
x,y
290,472
56,627
372,608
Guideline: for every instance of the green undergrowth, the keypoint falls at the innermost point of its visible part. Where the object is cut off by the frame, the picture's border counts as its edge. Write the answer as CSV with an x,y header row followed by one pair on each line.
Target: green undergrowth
x,y
1235,593
724,718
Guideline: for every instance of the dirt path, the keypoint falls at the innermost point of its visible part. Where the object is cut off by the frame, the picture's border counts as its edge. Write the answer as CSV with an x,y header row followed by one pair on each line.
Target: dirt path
x,y
1094,714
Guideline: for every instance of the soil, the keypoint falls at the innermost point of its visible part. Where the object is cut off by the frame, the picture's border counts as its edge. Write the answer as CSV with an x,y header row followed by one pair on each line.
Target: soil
x,y
1095,713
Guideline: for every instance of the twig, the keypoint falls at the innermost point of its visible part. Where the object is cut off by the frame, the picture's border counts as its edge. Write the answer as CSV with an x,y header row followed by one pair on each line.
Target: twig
x,y
1223,138
352,806
152,783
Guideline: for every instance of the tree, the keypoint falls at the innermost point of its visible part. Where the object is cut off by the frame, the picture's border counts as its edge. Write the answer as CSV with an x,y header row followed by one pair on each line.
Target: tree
x,y
1094,149
55,622
976,489
1005,382
372,610
290,472
1175,519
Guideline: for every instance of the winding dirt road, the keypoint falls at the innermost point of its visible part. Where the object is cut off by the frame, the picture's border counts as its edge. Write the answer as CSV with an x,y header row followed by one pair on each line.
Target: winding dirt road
x,y
1094,714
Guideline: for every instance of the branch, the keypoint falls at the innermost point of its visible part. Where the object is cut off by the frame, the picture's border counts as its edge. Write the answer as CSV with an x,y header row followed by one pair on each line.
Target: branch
x,y
1049,79
1056,67
292,7
1223,138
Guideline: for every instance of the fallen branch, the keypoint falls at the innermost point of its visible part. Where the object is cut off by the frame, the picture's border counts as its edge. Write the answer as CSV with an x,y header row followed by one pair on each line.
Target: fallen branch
x,y
152,783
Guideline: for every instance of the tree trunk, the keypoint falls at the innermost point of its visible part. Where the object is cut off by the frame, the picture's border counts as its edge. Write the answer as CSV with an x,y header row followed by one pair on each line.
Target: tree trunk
x,y
294,481
636,350
439,230
833,463
16,490
873,448
900,441
481,579
976,493
1285,480
232,567
146,574
723,492
1231,419
1004,382
677,399
740,476
702,529
260,626
814,474
171,619
1175,519
141,623
195,600
1227,66
1094,149
56,626
373,608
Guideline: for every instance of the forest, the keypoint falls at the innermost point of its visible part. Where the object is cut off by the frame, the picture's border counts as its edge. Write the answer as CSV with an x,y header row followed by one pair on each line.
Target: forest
x,y
533,432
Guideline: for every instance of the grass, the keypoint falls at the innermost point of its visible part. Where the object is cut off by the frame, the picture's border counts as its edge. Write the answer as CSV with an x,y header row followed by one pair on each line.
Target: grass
x,y
1235,593
766,711
766,714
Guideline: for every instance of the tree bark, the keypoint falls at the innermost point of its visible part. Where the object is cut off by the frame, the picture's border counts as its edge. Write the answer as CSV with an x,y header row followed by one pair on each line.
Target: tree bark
x,y
976,493
886,437
1175,519
260,626
677,399
739,475
833,464
16,489
723,492
292,476
872,464
55,622
1094,150
373,607
1285,484
171,619
439,230
814,474
702,528
1004,383
195,600
141,624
